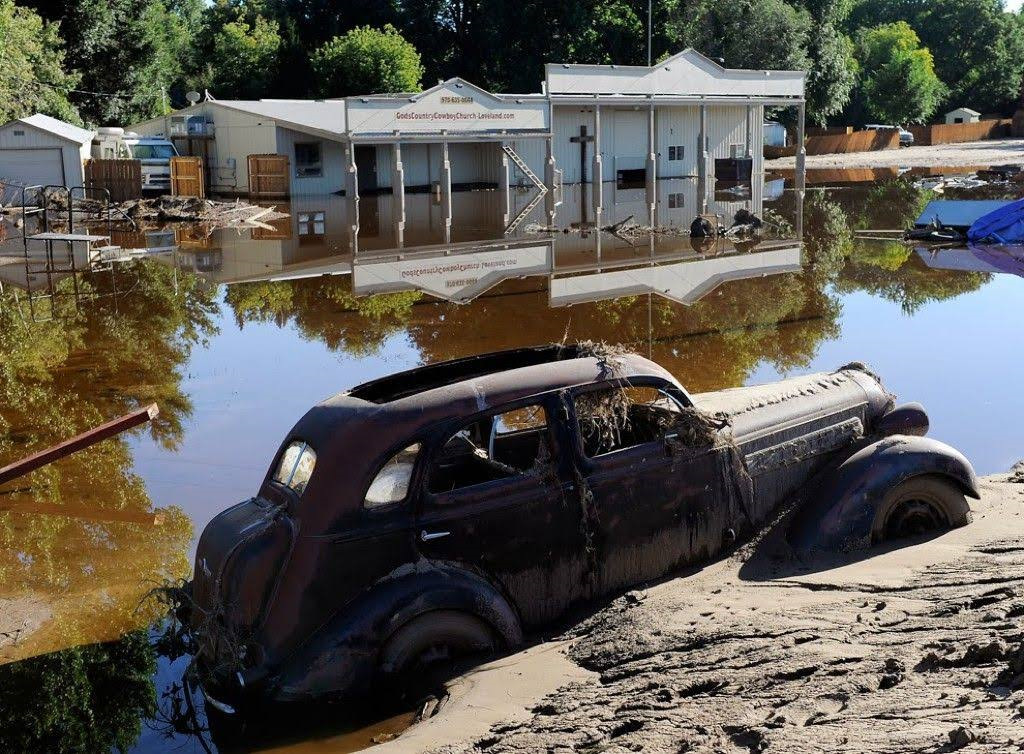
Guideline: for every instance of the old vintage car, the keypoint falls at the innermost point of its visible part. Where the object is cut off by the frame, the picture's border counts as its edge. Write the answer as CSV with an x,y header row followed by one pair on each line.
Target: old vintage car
x,y
458,506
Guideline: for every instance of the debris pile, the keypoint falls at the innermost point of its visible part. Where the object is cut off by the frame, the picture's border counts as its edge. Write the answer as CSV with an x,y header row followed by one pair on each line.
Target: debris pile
x,y
157,211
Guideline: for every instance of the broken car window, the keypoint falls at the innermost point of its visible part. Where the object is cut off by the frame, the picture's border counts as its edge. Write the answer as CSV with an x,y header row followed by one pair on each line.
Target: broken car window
x,y
296,466
391,484
622,417
498,446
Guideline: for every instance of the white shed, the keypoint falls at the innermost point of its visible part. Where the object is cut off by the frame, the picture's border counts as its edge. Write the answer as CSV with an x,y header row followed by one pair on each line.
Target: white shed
x,y
962,115
43,151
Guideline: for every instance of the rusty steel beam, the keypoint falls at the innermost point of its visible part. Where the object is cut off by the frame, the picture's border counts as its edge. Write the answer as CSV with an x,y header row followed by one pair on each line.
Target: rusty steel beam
x,y
78,442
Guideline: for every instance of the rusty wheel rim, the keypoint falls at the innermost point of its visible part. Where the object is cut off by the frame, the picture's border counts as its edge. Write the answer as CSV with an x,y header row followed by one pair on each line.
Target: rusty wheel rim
x,y
914,516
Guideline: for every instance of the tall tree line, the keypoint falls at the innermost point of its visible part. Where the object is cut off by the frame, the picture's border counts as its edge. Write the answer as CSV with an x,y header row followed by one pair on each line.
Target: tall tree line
x,y
114,61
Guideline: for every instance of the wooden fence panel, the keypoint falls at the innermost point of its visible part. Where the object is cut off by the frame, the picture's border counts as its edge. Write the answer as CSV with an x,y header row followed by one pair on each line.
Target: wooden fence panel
x,y
858,141
187,177
122,178
268,175
952,133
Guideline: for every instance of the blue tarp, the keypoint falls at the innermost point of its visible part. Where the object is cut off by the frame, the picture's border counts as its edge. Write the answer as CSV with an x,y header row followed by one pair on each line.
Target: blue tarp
x,y
1004,225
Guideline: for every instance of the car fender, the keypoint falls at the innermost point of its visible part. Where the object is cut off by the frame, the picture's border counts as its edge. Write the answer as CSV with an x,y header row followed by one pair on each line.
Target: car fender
x,y
344,653
839,509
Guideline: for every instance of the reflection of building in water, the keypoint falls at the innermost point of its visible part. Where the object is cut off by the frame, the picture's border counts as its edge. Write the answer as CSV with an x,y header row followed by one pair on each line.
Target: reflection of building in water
x,y
320,236
999,258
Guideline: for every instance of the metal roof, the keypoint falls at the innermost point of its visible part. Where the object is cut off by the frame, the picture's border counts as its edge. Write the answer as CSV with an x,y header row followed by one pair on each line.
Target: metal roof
x,y
56,127
325,116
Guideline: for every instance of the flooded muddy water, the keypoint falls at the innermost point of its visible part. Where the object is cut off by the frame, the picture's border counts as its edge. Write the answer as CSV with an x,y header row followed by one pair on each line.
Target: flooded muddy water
x,y
236,334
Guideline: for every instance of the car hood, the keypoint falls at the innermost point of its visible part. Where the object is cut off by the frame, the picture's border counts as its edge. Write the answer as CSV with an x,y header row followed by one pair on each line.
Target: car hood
x,y
760,413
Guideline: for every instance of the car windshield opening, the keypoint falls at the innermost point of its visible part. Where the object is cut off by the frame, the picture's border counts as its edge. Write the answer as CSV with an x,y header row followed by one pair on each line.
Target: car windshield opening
x,y
152,151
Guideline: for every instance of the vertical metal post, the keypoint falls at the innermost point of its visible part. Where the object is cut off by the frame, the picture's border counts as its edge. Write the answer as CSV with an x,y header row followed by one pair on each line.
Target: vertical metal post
x,y
549,179
652,167
801,149
750,131
397,185
598,171
504,179
702,161
446,191
352,184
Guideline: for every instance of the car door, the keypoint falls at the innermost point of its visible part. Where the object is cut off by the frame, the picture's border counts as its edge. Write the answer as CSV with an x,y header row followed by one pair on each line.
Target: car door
x,y
657,502
497,500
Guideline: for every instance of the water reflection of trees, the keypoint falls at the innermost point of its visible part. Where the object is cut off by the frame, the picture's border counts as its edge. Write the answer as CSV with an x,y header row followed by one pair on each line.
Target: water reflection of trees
x,y
320,308
89,698
716,342
78,579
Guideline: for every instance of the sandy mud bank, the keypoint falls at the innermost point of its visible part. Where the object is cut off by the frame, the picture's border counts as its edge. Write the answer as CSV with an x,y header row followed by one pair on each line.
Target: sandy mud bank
x,y
978,153
909,648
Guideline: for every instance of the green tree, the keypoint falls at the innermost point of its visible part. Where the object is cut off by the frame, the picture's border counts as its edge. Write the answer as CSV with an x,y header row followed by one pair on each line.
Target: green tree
x,y
978,47
833,72
898,81
32,72
131,54
239,58
367,60
767,34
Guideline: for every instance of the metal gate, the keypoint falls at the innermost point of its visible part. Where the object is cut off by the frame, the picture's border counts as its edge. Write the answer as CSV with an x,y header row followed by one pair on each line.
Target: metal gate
x,y
268,175
187,177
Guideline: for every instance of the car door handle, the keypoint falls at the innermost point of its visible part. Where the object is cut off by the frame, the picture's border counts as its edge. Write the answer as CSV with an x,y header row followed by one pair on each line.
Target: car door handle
x,y
426,536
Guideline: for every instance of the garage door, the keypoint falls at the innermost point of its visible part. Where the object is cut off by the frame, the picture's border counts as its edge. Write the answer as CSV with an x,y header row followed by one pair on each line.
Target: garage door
x,y
33,167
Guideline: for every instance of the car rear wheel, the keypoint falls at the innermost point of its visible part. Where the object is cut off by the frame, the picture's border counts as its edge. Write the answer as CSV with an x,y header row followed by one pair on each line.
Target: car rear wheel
x,y
918,506
436,638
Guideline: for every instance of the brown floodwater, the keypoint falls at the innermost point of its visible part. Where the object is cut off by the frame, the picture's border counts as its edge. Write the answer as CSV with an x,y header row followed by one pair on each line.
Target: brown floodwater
x,y
236,333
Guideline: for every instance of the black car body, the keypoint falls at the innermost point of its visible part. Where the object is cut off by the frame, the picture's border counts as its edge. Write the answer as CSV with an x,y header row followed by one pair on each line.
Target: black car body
x,y
466,503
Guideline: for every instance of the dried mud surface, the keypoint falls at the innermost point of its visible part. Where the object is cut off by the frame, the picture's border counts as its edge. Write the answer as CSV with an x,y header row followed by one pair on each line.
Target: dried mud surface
x,y
916,647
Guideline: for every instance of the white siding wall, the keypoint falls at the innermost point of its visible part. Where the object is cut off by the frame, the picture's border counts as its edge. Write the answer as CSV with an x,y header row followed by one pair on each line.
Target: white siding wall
x,y
332,156
73,155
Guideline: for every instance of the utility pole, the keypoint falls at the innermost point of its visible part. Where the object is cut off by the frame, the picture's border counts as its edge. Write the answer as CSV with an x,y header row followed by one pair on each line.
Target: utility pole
x,y
163,99
649,3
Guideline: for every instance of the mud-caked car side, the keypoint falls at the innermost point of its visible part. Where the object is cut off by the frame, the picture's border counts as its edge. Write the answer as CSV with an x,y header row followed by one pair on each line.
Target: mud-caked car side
x,y
455,507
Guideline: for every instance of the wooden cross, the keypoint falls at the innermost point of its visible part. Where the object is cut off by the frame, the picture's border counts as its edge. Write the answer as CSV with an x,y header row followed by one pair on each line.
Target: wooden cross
x,y
582,140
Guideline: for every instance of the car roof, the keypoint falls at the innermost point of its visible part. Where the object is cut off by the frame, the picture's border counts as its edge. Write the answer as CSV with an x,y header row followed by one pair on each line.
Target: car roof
x,y
387,410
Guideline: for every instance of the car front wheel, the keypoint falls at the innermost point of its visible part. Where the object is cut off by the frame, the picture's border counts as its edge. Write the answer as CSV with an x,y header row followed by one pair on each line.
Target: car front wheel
x,y
920,505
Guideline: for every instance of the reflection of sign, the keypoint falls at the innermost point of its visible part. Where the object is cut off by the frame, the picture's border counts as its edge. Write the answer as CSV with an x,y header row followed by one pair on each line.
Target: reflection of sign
x,y
685,282
456,277
454,106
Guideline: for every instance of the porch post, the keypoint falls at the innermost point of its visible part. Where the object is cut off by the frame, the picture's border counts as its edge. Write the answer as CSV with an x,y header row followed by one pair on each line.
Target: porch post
x,y
352,186
702,161
503,185
446,191
801,148
549,179
597,176
652,166
750,131
398,192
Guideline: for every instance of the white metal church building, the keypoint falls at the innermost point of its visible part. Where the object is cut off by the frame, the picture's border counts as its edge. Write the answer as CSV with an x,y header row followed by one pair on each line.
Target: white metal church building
x,y
627,124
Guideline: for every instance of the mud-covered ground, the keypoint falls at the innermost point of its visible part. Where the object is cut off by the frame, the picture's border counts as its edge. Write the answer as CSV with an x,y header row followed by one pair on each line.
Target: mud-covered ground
x,y
906,648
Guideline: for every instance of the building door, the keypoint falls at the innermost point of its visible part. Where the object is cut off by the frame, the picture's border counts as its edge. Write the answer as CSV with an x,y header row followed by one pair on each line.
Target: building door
x,y
33,167
366,164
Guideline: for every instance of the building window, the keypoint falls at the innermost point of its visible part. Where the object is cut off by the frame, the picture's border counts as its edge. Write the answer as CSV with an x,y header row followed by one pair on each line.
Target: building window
x,y
676,153
18,132
737,151
676,201
308,163
311,224
958,120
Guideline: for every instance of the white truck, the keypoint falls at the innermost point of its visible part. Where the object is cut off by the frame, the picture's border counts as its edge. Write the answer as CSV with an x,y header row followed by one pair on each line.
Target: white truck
x,y
153,152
